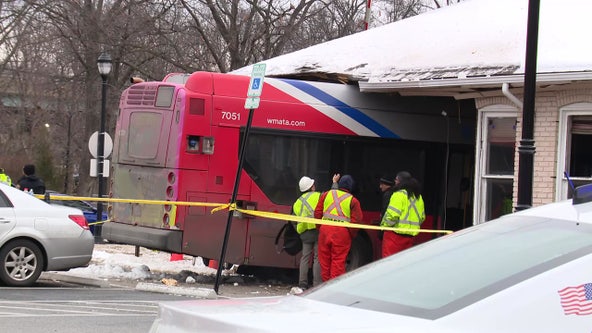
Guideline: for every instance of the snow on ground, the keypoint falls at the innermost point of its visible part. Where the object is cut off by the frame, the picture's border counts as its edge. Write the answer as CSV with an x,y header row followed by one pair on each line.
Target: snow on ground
x,y
115,261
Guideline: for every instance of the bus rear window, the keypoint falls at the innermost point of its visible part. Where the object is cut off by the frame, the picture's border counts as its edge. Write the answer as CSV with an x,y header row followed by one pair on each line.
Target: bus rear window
x,y
164,96
142,143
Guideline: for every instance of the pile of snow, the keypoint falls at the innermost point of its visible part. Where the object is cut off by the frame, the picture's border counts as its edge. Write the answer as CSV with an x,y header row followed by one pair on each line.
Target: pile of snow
x,y
115,261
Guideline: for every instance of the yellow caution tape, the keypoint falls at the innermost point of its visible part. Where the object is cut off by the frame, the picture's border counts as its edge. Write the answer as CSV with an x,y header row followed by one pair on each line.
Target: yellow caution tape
x,y
232,206
138,201
293,218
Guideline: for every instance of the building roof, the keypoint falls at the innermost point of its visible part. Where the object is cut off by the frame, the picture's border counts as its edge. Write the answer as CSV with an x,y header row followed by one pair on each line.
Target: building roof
x,y
463,50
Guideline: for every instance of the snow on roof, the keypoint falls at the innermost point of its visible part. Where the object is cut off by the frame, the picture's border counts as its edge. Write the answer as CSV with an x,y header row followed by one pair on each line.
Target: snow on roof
x,y
474,38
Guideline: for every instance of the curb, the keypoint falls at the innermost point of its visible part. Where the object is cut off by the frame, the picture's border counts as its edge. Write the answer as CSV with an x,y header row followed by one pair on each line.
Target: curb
x,y
181,291
56,276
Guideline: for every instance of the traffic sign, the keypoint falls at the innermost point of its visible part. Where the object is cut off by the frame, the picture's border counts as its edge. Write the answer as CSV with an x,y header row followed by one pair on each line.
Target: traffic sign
x,y
93,142
256,83
93,168
252,103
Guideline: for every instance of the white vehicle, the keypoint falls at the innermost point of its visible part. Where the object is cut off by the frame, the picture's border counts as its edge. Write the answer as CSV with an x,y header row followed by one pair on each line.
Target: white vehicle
x,y
529,271
37,237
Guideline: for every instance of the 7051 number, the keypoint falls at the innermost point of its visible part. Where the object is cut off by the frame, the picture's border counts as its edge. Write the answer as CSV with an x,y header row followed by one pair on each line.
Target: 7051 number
x,y
230,115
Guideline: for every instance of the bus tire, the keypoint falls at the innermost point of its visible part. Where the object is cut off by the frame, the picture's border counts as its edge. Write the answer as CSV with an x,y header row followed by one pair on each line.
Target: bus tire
x,y
360,252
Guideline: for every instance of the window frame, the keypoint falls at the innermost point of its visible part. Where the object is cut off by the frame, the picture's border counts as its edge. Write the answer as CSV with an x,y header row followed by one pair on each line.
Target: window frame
x,y
564,147
481,158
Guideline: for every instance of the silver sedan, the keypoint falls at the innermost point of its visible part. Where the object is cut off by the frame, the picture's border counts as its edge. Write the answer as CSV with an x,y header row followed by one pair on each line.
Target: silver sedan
x,y
37,237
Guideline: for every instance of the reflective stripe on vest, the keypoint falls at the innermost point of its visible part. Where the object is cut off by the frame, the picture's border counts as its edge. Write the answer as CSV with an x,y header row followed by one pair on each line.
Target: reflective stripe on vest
x,y
411,222
337,206
305,206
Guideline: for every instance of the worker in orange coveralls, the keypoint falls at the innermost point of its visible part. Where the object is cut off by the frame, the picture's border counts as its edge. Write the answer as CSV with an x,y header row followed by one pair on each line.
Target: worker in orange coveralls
x,y
334,242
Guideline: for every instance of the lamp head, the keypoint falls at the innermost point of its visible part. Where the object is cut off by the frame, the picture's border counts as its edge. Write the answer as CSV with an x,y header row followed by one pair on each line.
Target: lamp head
x,y
104,63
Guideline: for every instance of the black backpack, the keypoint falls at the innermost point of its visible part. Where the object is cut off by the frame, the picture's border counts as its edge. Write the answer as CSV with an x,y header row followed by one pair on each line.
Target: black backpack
x,y
292,244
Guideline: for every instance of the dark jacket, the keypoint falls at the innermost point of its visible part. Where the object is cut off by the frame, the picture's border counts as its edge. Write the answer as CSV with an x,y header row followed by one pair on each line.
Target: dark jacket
x,y
32,182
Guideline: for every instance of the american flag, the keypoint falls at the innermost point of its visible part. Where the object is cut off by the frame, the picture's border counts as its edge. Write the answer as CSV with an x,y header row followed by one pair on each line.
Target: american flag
x,y
577,300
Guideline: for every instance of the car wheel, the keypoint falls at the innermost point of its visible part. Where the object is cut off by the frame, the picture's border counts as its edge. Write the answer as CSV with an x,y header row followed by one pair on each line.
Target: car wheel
x,y
359,254
21,263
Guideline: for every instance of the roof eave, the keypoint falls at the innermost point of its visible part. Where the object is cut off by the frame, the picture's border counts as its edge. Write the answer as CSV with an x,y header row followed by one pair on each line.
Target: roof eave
x,y
474,82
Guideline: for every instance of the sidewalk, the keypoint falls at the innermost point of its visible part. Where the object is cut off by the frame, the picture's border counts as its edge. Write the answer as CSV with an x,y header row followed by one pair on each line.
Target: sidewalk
x,y
115,265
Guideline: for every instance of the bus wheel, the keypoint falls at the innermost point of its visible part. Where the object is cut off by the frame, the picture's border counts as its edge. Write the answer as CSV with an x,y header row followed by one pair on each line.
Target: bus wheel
x,y
360,253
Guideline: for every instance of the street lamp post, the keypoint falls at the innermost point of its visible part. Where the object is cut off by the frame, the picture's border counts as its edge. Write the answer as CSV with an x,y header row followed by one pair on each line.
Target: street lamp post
x,y
104,63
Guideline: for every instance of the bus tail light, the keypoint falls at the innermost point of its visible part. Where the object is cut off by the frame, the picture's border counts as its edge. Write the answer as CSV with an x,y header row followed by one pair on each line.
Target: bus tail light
x,y
170,192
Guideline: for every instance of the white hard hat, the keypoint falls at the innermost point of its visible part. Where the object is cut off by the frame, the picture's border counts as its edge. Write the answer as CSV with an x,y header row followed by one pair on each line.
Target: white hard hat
x,y
305,183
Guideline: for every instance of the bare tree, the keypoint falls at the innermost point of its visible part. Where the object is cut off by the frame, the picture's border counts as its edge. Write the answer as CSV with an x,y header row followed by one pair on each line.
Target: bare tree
x,y
49,50
237,33
442,3
330,20
72,35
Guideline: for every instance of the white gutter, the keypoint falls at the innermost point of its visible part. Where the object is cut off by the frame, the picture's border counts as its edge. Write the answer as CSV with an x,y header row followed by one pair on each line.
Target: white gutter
x,y
506,91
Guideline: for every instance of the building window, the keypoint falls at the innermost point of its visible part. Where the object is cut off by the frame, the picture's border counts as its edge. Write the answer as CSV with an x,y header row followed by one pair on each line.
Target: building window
x,y
574,162
495,166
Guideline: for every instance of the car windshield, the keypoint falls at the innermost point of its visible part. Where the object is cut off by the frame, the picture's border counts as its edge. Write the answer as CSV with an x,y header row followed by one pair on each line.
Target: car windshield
x,y
444,275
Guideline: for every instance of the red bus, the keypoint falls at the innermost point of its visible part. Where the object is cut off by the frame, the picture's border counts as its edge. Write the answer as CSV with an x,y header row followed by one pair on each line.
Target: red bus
x,y
178,140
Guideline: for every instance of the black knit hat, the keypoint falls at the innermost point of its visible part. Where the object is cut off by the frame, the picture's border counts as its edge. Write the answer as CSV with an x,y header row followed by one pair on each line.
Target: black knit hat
x,y
388,180
346,182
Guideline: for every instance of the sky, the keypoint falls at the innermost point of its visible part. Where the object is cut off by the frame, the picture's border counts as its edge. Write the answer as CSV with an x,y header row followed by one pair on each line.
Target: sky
x,y
470,33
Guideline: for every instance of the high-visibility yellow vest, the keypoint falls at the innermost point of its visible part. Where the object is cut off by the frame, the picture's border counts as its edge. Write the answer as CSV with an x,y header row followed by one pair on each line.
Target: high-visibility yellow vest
x,y
404,213
305,206
5,179
337,206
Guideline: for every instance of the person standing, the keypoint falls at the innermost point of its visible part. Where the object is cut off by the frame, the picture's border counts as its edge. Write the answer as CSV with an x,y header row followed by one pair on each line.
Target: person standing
x,y
305,206
334,242
405,211
4,178
30,181
386,185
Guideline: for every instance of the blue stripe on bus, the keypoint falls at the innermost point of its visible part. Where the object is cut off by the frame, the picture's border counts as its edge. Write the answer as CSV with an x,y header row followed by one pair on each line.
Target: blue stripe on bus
x,y
354,113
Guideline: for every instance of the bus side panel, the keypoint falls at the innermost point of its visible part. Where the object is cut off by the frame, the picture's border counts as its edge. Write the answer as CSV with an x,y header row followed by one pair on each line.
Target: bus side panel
x,y
204,235
193,114
282,110
224,162
261,249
